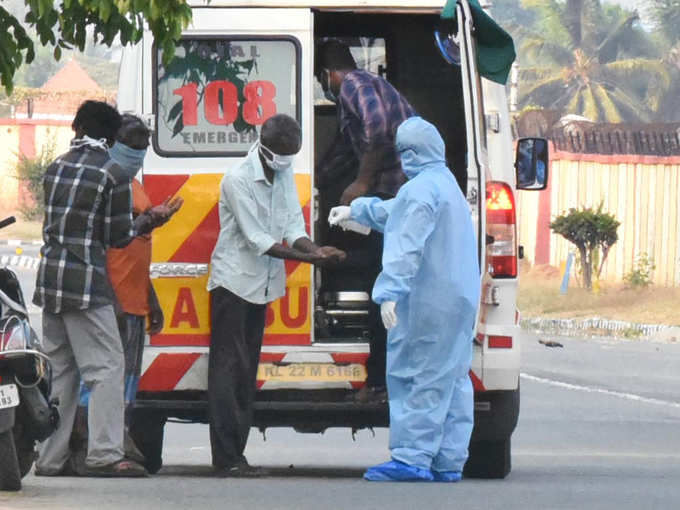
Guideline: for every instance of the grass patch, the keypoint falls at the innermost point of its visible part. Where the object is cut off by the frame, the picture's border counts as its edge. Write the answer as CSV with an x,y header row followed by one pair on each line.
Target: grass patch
x,y
539,296
22,229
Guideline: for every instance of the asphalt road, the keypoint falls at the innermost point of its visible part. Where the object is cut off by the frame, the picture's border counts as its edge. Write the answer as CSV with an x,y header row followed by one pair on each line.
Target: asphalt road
x,y
598,429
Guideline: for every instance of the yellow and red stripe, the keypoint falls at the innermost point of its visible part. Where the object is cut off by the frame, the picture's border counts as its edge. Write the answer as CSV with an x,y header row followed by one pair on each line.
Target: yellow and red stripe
x,y
190,238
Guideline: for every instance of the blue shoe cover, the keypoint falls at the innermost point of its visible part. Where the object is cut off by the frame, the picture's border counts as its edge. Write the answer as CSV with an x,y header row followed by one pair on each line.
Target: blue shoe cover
x,y
395,471
447,476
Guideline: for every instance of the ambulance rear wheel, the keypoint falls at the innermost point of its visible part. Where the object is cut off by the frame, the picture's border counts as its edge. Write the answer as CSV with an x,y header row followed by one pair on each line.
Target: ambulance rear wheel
x,y
146,430
488,459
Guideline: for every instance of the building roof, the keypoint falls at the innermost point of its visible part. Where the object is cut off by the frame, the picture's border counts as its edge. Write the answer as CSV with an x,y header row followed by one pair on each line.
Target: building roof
x,y
654,139
585,137
72,77
63,93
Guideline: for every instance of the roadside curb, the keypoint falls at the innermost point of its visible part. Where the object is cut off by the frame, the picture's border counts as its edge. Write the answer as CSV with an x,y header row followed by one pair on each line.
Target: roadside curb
x,y
599,327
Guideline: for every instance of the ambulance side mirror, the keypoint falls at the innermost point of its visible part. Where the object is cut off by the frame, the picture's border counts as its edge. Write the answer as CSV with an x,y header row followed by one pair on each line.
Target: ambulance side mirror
x,y
531,163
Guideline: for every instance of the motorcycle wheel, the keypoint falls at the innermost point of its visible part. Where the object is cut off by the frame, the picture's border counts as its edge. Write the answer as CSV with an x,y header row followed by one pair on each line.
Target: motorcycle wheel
x,y
10,477
25,448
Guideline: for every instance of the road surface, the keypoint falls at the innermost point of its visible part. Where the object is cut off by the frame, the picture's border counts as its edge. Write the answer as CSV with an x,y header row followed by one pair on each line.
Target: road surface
x,y
599,428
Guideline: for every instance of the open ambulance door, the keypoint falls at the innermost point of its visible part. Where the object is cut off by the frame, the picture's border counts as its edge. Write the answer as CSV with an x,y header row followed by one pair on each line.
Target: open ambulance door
x,y
496,412
477,160
233,69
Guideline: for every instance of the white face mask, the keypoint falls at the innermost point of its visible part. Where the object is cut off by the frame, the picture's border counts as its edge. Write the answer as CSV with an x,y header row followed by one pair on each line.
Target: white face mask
x,y
276,162
86,140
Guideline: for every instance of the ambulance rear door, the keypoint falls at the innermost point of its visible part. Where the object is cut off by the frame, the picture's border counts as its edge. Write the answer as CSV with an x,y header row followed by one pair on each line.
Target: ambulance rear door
x,y
233,69
477,158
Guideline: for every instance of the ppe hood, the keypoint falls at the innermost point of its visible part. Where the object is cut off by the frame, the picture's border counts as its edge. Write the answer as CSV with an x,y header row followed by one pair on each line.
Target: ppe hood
x,y
420,146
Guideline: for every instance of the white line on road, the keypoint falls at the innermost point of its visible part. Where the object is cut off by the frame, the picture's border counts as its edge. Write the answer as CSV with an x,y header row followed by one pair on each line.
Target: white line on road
x,y
589,389
596,454
24,261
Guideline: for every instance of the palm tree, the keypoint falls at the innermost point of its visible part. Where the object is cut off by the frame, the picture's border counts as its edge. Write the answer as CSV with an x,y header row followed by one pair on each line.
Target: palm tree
x,y
665,15
590,60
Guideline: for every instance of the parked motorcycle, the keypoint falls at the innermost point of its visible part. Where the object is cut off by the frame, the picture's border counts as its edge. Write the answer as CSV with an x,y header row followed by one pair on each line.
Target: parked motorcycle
x,y
27,412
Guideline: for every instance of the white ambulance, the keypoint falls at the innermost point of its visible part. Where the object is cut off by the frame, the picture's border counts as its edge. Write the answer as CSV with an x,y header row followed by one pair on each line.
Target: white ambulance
x,y
240,62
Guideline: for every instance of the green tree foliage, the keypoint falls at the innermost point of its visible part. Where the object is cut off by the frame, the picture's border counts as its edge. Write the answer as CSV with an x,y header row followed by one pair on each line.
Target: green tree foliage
x,y
593,231
514,18
30,172
64,25
666,17
590,59
640,277
39,71
97,65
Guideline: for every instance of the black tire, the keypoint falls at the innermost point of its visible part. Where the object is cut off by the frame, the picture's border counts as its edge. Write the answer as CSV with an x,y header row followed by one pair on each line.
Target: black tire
x,y
25,448
488,459
146,430
10,478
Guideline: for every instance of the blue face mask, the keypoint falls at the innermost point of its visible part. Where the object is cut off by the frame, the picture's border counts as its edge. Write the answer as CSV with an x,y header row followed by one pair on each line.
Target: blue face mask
x,y
409,162
129,159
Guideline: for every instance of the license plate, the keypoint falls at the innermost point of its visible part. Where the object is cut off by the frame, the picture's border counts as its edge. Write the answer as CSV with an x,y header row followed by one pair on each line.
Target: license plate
x,y
9,396
319,372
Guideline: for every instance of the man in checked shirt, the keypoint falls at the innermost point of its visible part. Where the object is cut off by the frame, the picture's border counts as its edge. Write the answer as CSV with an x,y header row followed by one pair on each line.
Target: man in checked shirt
x,y
88,209
361,162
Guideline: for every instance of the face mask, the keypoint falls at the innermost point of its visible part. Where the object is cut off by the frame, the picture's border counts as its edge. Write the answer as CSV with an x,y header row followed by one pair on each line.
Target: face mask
x,y
409,162
129,159
90,142
276,162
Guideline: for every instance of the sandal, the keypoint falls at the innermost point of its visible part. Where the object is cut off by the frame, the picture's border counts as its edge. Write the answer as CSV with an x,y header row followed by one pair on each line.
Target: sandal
x,y
124,468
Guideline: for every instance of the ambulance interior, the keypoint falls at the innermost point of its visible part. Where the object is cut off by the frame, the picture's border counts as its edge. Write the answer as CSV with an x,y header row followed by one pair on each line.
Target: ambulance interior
x,y
402,49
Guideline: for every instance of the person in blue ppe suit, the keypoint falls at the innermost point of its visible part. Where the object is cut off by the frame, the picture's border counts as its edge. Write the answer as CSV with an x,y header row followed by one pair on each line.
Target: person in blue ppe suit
x,y
428,293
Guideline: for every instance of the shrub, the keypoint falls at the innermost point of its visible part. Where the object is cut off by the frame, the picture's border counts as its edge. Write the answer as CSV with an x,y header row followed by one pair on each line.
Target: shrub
x,y
640,277
30,172
593,231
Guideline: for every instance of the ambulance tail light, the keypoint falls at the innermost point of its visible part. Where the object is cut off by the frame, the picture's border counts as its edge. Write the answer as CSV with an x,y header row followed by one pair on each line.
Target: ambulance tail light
x,y
500,342
501,230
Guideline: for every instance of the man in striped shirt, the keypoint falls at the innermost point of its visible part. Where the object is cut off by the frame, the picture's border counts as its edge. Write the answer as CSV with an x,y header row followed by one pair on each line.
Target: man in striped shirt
x,y
88,208
361,162
370,110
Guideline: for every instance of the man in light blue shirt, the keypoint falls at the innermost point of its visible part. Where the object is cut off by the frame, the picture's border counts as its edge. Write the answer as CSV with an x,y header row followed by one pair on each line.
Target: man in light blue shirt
x,y
259,210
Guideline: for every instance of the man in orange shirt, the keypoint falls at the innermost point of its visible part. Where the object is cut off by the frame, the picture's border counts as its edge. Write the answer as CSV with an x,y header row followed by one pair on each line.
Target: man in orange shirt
x,y
128,267
128,271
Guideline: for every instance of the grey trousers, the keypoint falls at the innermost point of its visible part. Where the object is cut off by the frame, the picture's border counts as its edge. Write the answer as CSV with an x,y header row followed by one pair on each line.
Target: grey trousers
x,y
85,344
